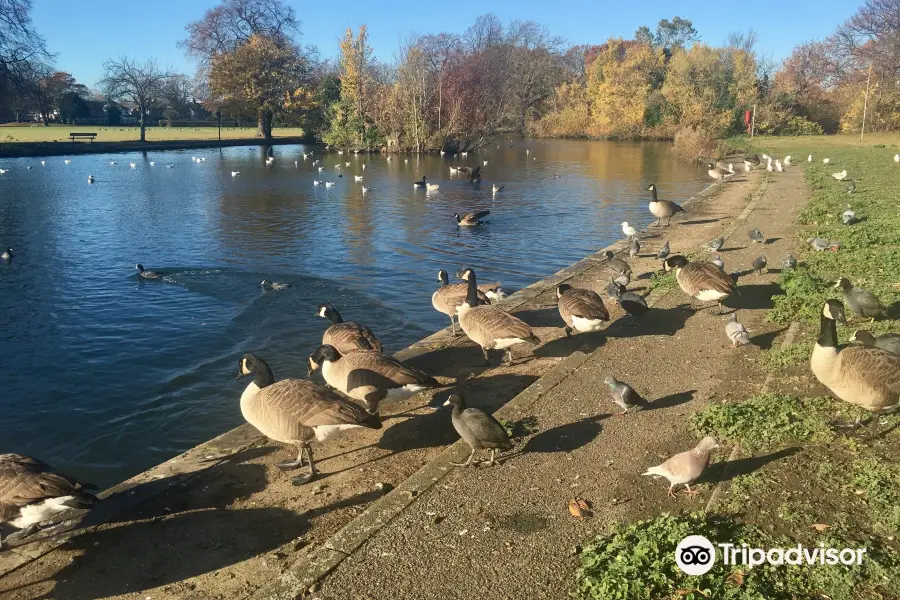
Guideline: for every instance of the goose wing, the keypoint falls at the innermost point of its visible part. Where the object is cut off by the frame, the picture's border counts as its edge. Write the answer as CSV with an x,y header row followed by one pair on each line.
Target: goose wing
x,y
696,277
474,216
879,367
671,206
484,323
585,304
351,337
382,371
24,480
290,406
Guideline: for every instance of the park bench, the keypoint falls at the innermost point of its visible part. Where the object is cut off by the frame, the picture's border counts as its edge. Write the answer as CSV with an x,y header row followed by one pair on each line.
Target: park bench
x,y
90,136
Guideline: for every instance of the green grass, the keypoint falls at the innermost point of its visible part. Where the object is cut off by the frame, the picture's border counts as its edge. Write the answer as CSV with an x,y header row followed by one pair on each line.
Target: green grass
x,y
869,255
880,480
767,421
129,133
662,281
776,359
636,562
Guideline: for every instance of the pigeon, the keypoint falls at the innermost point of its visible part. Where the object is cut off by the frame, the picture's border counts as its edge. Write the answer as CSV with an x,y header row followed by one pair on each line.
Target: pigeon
x,y
664,251
809,158
825,161
736,332
715,244
888,341
274,286
634,248
718,262
628,230
840,176
848,217
623,279
624,395
819,244
759,263
631,302
687,466
612,290
789,262
861,302
235,173
757,236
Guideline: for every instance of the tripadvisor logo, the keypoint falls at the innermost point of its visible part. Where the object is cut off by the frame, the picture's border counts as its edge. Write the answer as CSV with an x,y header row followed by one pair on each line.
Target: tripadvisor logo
x,y
696,555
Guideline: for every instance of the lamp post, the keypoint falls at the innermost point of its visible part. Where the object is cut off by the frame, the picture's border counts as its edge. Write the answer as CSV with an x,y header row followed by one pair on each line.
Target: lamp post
x,y
219,119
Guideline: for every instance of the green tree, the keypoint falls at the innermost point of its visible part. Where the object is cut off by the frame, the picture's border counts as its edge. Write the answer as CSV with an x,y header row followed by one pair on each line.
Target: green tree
x,y
350,116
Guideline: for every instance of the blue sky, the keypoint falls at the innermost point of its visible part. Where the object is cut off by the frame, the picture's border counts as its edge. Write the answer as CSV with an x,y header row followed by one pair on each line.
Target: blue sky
x,y
85,36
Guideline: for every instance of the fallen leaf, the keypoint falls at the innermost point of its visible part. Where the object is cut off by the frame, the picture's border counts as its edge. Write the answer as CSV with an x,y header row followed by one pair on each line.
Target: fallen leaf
x,y
820,526
737,578
580,508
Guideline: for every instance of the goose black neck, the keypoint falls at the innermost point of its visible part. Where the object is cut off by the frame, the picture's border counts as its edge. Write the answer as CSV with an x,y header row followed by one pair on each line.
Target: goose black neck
x,y
472,291
653,191
335,317
263,375
827,333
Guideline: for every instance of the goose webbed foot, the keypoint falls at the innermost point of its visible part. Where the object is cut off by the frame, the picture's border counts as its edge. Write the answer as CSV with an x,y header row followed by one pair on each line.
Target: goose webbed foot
x,y
491,462
467,463
310,475
289,465
487,359
568,331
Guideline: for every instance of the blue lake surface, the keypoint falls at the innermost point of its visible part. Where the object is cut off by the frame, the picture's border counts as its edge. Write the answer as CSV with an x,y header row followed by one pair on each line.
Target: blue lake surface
x,y
104,374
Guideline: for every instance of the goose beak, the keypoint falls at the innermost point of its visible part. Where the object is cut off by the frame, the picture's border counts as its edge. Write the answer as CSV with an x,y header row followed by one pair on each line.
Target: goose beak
x,y
446,403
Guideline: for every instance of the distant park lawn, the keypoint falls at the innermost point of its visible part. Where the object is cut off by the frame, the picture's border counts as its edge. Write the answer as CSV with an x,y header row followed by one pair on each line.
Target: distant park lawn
x,y
14,132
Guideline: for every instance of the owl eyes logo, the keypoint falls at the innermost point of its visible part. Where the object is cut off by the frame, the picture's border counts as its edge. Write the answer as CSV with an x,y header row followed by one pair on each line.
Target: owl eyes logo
x,y
695,555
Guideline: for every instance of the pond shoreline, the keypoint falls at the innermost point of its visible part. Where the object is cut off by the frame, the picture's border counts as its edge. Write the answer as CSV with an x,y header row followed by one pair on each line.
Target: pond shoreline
x,y
34,149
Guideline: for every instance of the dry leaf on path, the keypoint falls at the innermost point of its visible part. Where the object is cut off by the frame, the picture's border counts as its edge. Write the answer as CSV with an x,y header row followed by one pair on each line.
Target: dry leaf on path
x,y
580,508
820,526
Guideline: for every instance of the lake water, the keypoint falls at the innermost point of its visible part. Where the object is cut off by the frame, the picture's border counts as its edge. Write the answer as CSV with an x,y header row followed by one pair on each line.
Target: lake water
x,y
104,375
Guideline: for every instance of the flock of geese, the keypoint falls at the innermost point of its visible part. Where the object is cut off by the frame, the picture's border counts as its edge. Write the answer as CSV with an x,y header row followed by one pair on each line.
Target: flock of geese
x,y
359,375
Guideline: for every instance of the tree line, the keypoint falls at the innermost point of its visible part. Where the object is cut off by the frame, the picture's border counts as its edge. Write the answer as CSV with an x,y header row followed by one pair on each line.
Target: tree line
x,y
458,92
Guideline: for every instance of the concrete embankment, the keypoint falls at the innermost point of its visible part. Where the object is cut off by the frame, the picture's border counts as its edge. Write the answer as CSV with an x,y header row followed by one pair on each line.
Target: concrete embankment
x,y
29,149
220,521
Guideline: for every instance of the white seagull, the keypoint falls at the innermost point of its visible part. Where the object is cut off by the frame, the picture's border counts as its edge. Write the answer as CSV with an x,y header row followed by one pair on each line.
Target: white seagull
x,y
329,184
825,161
235,173
357,178
809,158
840,176
628,230
132,165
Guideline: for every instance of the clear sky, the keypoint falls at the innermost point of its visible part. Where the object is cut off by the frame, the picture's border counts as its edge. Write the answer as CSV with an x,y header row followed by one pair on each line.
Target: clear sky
x,y
84,34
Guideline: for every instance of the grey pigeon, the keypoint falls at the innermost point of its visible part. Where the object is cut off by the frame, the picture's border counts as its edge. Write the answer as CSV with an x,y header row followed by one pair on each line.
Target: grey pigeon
x,y
623,279
759,263
664,251
819,244
861,302
757,236
634,248
716,244
736,332
718,262
478,428
624,395
848,217
888,341
789,262
687,466
612,289
631,302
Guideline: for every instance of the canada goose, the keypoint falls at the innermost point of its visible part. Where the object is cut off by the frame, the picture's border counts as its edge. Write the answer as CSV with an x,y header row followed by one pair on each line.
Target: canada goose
x,y
718,173
864,376
736,332
616,265
235,173
861,302
624,395
759,263
346,337
581,310
419,184
90,179
480,430
432,187
471,219
496,189
887,341
7,254
700,279
276,287
662,208
634,248
329,184
357,178
475,175
369,376
687,466
32,492
848,216
664,251
629,231
147,274
490,327
296,411
631,302
447,298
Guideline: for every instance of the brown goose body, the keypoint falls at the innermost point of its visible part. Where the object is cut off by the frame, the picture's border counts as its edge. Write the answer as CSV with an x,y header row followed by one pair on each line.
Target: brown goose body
x,y
369,376
702,280
296,411
31,491
347,337
865,376
582,310
490,327
471,219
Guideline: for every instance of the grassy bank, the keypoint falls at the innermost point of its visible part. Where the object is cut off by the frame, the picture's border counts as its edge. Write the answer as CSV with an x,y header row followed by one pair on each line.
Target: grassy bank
x,y
808,483
126,133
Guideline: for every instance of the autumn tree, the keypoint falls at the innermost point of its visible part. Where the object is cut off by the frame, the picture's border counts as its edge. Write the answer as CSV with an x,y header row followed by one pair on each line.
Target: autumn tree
x,y
620,83
349,116
142,83
263,75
